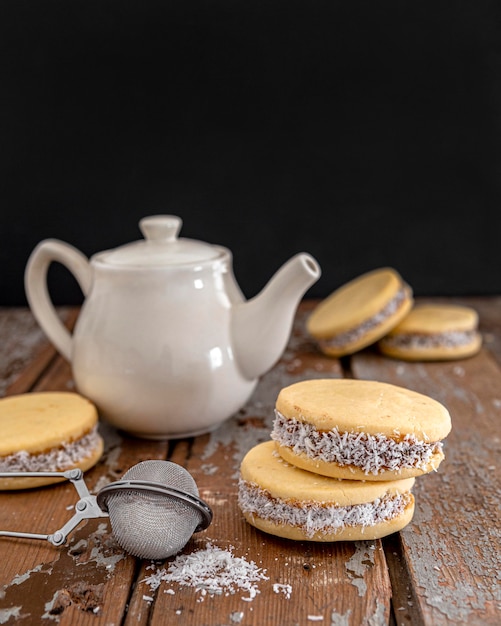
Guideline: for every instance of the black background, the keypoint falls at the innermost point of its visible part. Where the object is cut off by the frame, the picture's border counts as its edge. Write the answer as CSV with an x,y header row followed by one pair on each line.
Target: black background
x,y
365,133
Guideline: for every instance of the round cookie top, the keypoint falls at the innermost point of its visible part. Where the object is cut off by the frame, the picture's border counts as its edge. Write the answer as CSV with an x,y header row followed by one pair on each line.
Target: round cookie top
x,y
37,422
263,466
353,303
437,318
364,406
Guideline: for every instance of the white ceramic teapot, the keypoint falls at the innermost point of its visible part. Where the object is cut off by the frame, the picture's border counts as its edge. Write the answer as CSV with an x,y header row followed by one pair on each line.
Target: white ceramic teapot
x,y
165,344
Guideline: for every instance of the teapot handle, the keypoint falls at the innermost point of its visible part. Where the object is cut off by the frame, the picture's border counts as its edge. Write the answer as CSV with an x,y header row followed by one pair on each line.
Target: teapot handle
x,y
35,283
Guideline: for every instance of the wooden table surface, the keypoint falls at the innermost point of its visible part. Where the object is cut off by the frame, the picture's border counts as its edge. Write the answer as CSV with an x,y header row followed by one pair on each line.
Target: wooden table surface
x,y
444,568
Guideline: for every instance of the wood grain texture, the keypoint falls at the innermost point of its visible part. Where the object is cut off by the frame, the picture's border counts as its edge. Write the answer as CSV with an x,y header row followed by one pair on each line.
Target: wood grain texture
x,y
452,547
442,569
25,352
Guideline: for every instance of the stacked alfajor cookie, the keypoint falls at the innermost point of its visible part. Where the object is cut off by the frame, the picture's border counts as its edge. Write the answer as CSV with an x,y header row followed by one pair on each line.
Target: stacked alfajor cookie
x,y
342,460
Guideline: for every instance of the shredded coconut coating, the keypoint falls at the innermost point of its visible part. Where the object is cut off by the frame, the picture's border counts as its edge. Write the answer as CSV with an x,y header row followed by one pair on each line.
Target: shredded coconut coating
x,y
314,517
449,339
355,333
56,459
371,453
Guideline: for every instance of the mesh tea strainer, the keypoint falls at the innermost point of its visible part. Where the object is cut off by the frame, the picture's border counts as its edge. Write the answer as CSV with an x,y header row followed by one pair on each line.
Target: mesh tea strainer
x,y
154,509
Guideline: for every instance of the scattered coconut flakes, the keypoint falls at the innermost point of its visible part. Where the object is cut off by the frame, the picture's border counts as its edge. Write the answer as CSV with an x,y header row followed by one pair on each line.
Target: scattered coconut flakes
x,y
283,588
212,571
209,469
154,580
315,618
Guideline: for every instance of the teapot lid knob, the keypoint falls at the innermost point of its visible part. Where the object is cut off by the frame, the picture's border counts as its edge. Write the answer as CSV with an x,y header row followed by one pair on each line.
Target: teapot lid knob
x,y
161,228
161,246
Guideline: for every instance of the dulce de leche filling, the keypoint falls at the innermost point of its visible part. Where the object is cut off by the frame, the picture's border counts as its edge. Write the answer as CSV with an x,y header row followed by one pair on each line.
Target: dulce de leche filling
x,y
371,453
56,459
316,517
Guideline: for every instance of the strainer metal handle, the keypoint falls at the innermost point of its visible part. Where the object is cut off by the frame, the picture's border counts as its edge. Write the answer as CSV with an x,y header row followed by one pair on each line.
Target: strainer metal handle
x,y
142,486
85,508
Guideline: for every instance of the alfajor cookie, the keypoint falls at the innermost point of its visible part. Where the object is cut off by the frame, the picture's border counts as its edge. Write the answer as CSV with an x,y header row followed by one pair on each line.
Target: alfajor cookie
x,y
360,312
46,432
281,499
359,429
434,332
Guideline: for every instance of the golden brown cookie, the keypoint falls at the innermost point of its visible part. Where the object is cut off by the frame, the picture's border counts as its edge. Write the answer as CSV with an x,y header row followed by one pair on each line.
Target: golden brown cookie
x,y
434,332
360,312
284,500
46,432
359,429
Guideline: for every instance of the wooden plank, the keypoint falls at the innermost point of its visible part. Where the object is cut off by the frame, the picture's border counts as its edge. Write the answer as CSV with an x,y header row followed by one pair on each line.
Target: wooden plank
x,y
443,568
452,549
88,581
21,343
143,595
91,568
338,583
40,579
25,351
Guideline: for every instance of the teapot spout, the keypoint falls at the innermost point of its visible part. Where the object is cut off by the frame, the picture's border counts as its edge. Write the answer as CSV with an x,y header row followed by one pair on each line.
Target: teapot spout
x,y
261,326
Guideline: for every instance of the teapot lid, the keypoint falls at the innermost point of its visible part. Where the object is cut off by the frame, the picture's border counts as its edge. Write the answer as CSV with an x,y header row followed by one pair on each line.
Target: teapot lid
x,y
160,246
